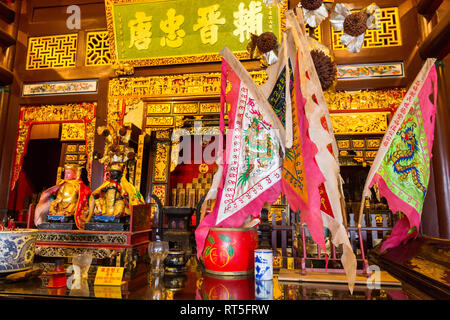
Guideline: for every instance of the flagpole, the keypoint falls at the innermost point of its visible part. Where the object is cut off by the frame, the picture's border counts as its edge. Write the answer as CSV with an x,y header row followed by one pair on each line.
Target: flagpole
x,y
266,109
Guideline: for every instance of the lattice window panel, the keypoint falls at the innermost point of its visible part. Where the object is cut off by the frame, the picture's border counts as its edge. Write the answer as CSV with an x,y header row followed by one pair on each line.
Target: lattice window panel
x,y
97,49
317,32
47,52
388,35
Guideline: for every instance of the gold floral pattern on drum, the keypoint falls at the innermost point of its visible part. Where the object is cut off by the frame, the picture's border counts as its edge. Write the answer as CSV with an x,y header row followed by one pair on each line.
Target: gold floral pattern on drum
x,y
359,123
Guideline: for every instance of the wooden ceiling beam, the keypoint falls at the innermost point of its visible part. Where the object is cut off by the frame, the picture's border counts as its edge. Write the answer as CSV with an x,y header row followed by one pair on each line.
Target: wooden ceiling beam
x,y
437,43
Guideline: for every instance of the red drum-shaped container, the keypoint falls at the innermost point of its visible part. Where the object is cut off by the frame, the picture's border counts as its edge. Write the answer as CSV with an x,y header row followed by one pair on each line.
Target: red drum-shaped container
x,y
227,288
229,251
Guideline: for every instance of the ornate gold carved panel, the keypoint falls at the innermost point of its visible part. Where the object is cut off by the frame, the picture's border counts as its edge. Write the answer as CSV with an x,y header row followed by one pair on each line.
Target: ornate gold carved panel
x,y
187,108
97,48
360,123
57,51
72,132
75,113
209,107
161,162
173,85
138,172
160,191
365,99
156,108
159,121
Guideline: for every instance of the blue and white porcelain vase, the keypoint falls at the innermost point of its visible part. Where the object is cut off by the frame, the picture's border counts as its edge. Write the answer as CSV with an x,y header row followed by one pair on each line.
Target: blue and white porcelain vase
x,y
17,249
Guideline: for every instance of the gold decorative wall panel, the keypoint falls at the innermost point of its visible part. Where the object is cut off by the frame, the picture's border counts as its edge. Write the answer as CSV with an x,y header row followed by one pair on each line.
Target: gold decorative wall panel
x,y
140,152
159,121
72,132
75,113
97,48
160,191
209,107
161,162
360,123
187,108
173,85
163,134
388,35
365,99
57,51
156,108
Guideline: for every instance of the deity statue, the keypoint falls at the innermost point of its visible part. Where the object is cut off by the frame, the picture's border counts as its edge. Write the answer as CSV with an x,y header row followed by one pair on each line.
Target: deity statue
x,y
113,200
65,201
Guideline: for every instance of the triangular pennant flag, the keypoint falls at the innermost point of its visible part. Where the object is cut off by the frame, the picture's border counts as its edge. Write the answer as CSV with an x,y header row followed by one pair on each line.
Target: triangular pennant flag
x,y
321,134
401,168
252,162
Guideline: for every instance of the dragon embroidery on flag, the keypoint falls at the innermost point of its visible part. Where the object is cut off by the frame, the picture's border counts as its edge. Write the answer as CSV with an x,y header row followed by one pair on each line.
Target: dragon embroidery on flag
x,y
404,161
258,146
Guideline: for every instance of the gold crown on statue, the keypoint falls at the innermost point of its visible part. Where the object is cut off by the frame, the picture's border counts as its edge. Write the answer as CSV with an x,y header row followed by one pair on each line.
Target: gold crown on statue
x,y
117,149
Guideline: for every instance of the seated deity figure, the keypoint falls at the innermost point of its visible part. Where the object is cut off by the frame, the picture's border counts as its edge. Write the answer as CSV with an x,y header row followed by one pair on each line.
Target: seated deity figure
x,y
66,201
114,198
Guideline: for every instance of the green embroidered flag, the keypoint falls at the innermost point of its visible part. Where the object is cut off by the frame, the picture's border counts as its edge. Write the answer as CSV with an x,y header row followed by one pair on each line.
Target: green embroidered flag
x,y
402,165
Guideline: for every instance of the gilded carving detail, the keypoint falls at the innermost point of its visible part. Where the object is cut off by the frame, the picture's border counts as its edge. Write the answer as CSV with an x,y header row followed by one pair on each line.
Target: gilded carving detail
x,y
155,108
81,237
70,252
76,113
160,191
72,132
163,134
161,162
185,108
359,123
58,51
159,121
173,85
364,100
140,152
97,48
209,107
